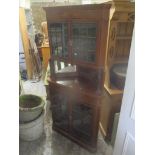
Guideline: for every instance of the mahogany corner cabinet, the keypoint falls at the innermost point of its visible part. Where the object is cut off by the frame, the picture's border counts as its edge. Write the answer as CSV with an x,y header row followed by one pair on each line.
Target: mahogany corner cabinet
x,y
78,37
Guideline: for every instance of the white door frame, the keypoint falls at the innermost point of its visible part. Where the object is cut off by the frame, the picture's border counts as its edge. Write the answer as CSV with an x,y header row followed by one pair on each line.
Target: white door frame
x,y
125,138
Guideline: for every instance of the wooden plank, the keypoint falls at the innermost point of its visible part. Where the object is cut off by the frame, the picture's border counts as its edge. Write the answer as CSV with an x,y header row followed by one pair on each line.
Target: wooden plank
x,y
25,40
46,56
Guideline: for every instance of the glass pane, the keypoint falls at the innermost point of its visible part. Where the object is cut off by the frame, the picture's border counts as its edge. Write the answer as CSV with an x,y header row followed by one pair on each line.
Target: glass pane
x,y
60,111
63,67
82,120
84,41
59,37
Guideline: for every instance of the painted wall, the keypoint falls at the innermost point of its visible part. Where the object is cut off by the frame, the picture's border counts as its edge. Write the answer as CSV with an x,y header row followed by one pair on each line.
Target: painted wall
x,y
39,15
24,3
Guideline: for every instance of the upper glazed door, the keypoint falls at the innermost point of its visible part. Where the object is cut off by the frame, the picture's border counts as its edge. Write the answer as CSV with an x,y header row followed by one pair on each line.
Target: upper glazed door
x,y
84,41
58,33
75,41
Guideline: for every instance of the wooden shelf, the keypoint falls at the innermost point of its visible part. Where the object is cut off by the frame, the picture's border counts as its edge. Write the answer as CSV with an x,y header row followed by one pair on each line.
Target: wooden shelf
x,y
113,91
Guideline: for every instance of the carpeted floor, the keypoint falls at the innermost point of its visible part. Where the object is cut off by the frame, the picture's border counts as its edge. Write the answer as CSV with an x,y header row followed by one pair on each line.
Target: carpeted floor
x,y
51,142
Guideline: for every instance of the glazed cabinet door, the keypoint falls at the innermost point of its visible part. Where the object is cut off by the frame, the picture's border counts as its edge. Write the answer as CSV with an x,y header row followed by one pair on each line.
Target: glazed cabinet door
x,y
58,34
84,123
84,41
75,41
60,108
81,120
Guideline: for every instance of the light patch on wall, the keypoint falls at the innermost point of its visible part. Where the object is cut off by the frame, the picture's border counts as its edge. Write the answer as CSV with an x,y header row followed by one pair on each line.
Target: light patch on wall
x,y
86,1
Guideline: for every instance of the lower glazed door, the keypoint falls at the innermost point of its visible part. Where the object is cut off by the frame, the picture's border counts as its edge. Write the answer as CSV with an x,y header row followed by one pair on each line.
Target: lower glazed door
x,y
60,109
84,125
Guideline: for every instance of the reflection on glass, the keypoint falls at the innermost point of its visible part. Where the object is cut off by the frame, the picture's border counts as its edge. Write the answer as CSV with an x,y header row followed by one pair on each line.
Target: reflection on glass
x,y
63,67
84,41
59,37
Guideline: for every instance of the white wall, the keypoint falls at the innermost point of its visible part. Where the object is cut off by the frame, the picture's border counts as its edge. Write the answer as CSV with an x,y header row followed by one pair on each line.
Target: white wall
x,y
24,3
70,1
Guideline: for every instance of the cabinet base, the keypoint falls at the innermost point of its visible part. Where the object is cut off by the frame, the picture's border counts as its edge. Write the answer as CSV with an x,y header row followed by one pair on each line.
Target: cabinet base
x,y
91,148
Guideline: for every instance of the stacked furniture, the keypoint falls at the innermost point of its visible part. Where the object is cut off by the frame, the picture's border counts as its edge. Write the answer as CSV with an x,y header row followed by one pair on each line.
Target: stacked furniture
x,y
78,43
121,23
